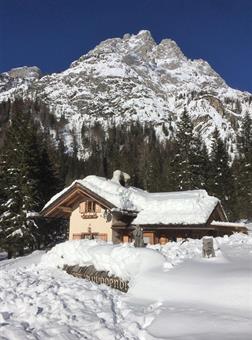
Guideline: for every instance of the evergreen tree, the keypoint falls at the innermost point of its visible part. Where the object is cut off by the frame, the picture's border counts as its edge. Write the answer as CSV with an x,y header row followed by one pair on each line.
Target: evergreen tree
x,y
150,161
15,231
24,175
134,148
183,161
200,164
221,180
168,180
242,168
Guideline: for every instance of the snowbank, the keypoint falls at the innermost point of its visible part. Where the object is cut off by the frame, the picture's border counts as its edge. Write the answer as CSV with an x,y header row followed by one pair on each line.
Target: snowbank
x,y
128,262
223,281
123,260
200,299
177,252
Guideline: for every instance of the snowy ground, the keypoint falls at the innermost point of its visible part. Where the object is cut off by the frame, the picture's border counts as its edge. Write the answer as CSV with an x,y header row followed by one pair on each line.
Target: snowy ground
x,y
187,298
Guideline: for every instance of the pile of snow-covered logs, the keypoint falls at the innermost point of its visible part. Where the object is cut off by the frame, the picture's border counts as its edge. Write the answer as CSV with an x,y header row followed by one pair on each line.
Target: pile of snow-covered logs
x,y
99,277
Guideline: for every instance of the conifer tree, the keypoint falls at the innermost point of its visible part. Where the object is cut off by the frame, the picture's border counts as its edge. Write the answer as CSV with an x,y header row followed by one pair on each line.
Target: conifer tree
x,y
169,181
221,180
150,167
200,164
242,168
20,189
15,206
3,195
23,178
183,162
135,150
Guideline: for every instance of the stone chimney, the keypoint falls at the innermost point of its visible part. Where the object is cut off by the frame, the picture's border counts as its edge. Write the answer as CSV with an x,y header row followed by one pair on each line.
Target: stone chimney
x,y
121,178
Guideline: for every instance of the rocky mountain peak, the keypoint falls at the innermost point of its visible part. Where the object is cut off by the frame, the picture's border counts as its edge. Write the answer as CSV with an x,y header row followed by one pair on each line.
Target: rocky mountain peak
x,y
145,36
19,76
136,48
25,72
169,49
132,79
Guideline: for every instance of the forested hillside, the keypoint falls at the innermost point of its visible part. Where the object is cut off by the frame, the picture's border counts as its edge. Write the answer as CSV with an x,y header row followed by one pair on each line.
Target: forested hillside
x,y
33,168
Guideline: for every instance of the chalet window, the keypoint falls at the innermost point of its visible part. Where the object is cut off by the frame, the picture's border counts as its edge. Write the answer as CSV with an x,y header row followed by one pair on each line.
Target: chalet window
x,y
89,209
148,238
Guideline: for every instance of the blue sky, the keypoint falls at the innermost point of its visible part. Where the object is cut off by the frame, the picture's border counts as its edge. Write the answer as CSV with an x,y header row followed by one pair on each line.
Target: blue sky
x,y
53,33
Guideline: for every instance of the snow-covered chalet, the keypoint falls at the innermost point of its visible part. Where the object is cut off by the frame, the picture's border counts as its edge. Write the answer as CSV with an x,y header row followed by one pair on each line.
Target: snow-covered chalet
x,y
109,210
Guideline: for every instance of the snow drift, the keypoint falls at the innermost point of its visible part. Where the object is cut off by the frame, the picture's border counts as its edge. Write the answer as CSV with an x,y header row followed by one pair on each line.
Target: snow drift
x,y
197,298
123,260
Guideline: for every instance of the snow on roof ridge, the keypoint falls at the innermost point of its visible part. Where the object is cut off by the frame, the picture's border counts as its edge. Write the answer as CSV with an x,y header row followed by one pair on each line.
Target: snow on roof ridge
x,y
110,190
179,194
225,223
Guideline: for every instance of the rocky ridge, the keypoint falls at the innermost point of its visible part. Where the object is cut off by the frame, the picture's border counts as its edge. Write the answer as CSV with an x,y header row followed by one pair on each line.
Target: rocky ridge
x,y
130,79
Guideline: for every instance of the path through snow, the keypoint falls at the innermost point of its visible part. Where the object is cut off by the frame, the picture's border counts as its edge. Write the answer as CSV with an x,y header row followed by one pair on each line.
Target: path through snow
x,y
40,303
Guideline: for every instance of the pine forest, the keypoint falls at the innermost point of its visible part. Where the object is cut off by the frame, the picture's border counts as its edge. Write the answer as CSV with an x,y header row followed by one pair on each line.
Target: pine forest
x,y
34,166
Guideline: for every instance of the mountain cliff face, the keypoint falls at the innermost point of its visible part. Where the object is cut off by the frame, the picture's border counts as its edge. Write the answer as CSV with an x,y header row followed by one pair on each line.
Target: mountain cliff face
x,y
123,80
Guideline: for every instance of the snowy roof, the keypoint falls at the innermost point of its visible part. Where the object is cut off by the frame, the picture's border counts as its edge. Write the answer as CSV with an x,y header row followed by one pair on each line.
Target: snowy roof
x,y
183,207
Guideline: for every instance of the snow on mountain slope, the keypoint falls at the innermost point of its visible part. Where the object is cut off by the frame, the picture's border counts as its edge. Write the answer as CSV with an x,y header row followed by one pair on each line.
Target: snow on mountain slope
x,y
17,81
134,78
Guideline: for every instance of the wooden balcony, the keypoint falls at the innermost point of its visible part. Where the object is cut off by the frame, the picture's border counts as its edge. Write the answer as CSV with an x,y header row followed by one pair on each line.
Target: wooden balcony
x,y
89,215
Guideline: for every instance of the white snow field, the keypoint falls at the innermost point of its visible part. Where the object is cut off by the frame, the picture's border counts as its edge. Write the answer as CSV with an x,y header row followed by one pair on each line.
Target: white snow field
x,y
174,293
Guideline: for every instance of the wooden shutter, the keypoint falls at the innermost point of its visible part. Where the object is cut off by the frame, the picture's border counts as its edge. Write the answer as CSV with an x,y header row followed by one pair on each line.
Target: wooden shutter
x,y
76,236
103,237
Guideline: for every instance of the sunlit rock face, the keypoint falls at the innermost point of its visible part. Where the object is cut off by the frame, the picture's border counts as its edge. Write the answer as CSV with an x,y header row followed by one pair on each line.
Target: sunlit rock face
x,y
127,79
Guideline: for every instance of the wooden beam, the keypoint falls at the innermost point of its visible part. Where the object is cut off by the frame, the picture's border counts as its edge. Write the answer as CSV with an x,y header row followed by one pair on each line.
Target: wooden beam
x,y
73,195
65,209
221,212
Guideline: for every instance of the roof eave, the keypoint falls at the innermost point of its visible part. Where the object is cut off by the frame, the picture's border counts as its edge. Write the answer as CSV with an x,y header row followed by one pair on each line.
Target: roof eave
x,y
71,189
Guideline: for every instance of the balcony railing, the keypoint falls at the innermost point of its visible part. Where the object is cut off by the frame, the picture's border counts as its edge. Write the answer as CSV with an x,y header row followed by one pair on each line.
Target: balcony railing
x,y
89,215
